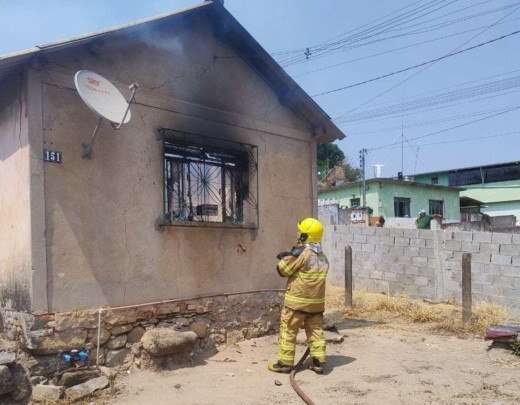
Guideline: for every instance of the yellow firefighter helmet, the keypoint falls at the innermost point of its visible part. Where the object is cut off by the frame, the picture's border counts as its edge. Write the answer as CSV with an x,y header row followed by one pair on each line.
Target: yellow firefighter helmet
x,y
310,230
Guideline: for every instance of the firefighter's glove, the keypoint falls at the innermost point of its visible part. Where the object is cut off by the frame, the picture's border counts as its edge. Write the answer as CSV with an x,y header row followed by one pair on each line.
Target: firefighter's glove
x,y
281,255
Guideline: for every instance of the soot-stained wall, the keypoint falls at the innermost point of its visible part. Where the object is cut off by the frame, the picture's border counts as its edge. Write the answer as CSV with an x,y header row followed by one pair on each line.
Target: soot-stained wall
x,y
103,247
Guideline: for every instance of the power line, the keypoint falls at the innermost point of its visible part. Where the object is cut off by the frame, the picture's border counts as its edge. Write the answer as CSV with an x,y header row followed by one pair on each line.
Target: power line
x,y
442,98
430,109
450,128
363,35
317,53
433,122
449,55
346,62
429,65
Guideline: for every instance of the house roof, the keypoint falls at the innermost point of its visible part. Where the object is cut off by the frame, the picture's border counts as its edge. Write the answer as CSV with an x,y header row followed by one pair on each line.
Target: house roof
x,y
515,162
228,28
389,180
469,202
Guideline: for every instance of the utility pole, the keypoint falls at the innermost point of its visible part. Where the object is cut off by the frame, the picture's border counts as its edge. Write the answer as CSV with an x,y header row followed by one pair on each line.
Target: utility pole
x,y
402,148
362,164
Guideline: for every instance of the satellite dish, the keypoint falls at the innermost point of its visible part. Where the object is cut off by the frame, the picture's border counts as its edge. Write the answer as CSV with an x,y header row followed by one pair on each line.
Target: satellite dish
x,y
102,97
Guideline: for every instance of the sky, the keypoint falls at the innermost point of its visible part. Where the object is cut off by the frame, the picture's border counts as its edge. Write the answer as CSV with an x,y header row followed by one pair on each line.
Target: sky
x,y
460,111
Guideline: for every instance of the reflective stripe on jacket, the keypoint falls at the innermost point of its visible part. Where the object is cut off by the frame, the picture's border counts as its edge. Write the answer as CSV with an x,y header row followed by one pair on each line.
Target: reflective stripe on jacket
x,y
307,275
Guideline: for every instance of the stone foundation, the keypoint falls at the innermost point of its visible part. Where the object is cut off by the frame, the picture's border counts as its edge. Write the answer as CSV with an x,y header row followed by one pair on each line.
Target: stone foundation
x,y
216,320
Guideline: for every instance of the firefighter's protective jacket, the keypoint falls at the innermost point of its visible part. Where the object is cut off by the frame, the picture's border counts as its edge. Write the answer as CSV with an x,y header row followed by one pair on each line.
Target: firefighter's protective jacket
x,y
307,275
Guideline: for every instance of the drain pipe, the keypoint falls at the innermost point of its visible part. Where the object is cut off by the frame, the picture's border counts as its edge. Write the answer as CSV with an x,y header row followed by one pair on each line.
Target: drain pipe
x,y
98,335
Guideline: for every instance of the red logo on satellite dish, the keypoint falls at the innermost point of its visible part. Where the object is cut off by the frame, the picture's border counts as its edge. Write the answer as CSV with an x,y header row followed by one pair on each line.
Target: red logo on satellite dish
x,y
92,81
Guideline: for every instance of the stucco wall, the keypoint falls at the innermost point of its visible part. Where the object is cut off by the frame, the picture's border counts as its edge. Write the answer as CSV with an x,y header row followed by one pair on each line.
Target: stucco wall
x,y
419,199
380,197
345,194
15,232
102,243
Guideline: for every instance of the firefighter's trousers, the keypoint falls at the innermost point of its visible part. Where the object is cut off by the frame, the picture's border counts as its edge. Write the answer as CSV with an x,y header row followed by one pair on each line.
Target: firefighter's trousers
x,y
291,321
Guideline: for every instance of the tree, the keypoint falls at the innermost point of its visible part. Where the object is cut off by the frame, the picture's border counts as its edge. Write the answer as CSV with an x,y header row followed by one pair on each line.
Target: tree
x,y
329,156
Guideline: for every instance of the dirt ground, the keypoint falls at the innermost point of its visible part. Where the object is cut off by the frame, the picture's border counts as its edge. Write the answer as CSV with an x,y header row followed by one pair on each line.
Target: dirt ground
x,y
377,363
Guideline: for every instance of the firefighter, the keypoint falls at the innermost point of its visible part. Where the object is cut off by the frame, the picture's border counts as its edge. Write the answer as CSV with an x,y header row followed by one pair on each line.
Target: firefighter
x,y
306,268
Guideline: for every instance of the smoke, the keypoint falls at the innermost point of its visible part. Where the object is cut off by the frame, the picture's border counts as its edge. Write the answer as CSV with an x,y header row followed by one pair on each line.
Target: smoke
x,y
165,40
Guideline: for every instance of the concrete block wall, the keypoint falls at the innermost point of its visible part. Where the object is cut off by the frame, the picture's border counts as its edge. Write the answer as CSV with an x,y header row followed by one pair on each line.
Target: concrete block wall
x,y
427,263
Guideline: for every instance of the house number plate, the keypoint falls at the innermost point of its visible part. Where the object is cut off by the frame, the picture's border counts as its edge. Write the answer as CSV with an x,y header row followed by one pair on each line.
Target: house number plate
x,y
52,156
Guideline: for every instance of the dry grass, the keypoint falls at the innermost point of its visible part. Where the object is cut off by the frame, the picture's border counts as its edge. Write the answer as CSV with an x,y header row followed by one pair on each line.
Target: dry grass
x,y
444,317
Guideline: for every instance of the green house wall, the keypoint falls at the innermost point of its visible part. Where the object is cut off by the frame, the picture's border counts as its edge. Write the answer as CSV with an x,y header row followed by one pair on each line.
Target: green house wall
x,y
380,197
442,178
499,198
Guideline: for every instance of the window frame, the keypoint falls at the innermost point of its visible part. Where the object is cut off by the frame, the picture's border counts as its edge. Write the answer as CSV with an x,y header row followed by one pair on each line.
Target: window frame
x,y
406,200
430,207
170,137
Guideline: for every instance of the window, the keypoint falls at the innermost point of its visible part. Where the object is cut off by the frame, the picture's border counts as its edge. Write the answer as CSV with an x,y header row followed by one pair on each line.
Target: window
x,y
355,202
402,207
435,180
437,207
209,180
465,177
502,173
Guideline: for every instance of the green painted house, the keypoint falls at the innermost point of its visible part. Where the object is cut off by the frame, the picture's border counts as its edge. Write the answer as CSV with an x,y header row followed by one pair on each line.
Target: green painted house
x,y
496,187
393,198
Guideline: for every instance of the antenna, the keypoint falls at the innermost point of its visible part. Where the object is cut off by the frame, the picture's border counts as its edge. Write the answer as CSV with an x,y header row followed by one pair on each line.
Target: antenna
x,y
102,97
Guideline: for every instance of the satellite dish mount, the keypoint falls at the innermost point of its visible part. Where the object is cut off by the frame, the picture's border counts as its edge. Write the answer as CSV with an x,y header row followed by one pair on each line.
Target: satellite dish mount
x,y
102,97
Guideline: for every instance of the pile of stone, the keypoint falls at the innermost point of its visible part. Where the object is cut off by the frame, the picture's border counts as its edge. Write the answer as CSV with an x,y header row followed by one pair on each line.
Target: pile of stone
x,y
125,334
72,385
14,381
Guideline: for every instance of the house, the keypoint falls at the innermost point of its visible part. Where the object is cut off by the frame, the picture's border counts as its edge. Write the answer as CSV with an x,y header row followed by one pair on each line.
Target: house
x,y
392,198
191,199
496,187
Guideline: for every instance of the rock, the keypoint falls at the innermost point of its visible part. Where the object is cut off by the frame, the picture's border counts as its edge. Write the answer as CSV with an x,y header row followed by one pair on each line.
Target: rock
x,y
92,357
120,317
87,388
182,322
116,342
277,382
230,374
119,330
234,336
162,341
333,337
116,357
6,380
331,318
135,334
177,386
253,333
71,378
43,343
104,335
7,357
21,382
200,328
38,379
168,308
108,372
75,320
47,393
44,365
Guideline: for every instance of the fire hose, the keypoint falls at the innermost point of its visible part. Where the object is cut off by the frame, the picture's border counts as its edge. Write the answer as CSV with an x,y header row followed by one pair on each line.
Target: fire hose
x,y
294,385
